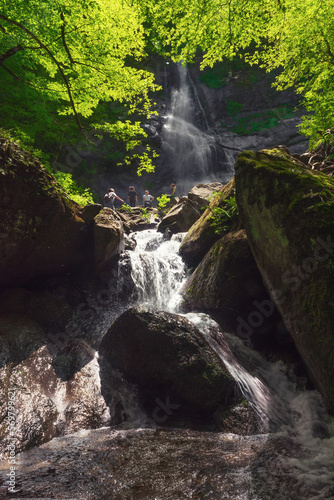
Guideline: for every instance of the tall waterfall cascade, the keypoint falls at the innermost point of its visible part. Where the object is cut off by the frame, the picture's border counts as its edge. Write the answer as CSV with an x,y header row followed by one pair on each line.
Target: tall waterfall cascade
x,y
188,147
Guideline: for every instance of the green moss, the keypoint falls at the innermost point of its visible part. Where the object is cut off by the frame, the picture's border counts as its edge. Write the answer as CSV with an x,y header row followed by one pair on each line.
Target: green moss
x,y
211,373
286,207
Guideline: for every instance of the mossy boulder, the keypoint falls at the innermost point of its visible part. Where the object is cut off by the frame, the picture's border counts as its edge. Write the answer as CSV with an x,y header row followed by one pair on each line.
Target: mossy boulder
x,y
228,284
181,216
167,357
210,227
40,227
287,210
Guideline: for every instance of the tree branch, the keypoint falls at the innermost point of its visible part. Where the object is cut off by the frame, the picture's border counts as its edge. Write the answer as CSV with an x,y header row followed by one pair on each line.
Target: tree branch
x,y
11,52
17,77
64,39
43,46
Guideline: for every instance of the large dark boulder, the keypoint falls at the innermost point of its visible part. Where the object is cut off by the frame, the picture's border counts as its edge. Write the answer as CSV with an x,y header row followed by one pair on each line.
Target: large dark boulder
x,y
167,358
41,229
228,284
287,210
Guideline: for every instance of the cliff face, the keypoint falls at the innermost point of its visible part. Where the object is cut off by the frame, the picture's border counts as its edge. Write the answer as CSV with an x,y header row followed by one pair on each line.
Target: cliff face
x,y
244,111
40,228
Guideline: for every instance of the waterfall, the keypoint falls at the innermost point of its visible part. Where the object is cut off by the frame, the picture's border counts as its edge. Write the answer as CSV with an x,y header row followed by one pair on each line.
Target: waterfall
x,y
292,416
191,153
156,270
289,414
291,461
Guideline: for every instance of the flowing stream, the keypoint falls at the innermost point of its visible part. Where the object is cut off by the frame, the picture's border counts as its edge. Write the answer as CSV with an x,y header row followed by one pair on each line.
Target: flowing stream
x,y
290,460
286,412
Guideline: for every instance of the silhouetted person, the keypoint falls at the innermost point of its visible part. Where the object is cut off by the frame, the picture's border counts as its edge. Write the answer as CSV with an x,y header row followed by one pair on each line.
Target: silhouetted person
x,y
132,197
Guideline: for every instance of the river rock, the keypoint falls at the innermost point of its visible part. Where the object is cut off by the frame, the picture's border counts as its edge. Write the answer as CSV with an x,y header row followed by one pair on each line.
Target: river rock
x,y
228,283
181,217
40,227
202,193
287,210
49,390
138,218
169,361
203,234
108,237
90,211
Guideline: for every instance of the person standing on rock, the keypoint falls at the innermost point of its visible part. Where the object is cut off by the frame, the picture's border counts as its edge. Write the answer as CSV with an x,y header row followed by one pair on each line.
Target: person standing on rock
x,y
132,197
147,199
173,186
110,198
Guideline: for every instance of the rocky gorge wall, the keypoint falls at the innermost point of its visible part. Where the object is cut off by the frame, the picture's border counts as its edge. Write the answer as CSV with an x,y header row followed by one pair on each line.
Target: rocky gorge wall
x,y
268,230
285,210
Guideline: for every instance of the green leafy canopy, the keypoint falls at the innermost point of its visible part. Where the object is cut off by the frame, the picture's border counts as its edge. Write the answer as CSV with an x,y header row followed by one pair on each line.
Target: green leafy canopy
x,y
77,54
295,37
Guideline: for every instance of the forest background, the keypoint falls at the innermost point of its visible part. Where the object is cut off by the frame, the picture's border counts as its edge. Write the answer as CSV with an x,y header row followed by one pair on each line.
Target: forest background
x,y
78,71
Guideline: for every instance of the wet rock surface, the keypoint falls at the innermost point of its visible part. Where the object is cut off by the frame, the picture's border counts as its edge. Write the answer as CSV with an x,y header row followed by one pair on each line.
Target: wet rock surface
x,y
167,358
53,395
52,374
164,464
138,464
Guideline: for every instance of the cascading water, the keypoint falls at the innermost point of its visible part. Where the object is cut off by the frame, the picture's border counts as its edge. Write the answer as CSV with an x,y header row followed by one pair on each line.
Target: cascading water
x,y
291,461
191,153
156,270
286,412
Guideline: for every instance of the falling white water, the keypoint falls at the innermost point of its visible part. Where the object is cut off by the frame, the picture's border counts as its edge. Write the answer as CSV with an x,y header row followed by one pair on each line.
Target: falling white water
x,y
294,419
157,270
251,386
190,152
285,410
